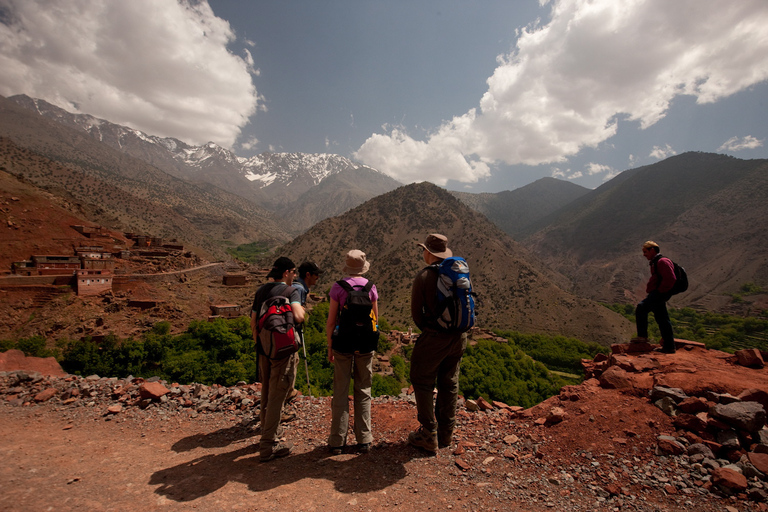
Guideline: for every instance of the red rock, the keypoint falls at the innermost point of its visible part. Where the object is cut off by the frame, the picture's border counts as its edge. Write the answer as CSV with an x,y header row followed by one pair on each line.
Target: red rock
x,y
500,405
13,359
555,416
729,479
750,358
115,409
464,466
46,394
760,461
690,422
152,390
616,378
693,405
483,404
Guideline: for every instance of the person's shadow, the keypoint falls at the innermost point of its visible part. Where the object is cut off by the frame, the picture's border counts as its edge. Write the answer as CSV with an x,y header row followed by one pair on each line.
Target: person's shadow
x,y
362,473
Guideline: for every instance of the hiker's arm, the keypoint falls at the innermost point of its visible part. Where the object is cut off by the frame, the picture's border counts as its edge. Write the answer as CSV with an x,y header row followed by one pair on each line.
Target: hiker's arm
x,y
330,325
375,307
417,301
253,326
298,312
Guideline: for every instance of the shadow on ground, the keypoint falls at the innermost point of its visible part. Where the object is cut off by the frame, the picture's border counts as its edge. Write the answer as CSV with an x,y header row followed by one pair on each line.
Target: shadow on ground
x,y
361,473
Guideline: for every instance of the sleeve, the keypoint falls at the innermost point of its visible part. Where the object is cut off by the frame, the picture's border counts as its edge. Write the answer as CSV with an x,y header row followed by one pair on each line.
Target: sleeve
x,y
295,295
374,294
420,298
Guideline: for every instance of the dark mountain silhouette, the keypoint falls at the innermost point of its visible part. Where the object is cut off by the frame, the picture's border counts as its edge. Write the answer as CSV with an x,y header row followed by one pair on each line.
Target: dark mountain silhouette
x,y
707,212
514,210
275,181
515,290
124,193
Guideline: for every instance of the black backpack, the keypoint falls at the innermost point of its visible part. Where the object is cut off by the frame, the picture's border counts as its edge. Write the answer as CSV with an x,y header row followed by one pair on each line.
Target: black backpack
x,y
681,278
357,330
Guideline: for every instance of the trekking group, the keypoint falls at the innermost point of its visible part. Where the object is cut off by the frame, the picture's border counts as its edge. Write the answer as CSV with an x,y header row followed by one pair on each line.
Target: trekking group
x,y
442,307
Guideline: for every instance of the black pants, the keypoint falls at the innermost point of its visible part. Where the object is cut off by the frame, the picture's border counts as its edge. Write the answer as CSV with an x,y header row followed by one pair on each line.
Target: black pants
x,y
655,303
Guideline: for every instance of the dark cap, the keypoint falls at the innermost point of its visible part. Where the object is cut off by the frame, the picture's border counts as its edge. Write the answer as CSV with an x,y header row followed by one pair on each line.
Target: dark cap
x,y
309,266
281,265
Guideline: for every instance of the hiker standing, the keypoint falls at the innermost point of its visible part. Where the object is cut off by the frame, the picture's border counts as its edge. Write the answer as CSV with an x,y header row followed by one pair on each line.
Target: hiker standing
x,y
352,335
276,375
306,278
436,355
659,291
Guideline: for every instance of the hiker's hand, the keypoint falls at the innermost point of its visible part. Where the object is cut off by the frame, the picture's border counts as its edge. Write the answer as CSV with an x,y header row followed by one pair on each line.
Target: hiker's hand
x,y
330,355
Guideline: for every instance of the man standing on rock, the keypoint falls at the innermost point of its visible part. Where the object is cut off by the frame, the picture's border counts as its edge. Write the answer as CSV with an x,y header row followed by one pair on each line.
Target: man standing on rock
x,y
436,355
276,375
658,289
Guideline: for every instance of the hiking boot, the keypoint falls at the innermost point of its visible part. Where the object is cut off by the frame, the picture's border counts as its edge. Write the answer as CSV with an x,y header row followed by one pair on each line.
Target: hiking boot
x,y
287,416
639,339
364,447
279,450
444,439
665,350
336,450
423,439
293,395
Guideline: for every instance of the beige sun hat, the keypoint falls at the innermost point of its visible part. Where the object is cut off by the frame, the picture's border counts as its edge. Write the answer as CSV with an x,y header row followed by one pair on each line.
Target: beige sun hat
x,y
356,263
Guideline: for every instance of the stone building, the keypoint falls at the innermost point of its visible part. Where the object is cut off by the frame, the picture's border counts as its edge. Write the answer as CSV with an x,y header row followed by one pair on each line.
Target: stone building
x,y
93,282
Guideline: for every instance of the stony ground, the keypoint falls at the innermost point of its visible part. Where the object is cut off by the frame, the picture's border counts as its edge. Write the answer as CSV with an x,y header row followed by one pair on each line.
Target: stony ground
x,y
69,452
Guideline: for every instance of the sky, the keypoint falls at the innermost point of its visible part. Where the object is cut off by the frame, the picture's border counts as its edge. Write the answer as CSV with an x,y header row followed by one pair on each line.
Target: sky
x,y
472,95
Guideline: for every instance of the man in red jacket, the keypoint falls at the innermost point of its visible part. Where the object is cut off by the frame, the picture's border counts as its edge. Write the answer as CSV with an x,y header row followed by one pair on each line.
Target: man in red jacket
x,y
658,287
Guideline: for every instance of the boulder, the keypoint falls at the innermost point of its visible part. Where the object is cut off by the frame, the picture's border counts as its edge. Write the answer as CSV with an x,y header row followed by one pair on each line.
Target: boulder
x,y
750,358
668,445
729,480
747,416
152,390
755,395
760,461
676,394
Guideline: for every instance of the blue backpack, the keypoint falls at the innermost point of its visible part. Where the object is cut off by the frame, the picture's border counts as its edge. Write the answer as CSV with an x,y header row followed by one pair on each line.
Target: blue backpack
x,y
455,298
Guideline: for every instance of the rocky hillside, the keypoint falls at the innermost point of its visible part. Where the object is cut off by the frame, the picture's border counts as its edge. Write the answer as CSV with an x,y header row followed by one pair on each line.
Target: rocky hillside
x,y
650,432
515,291
275,181
124,193
706,211
513,211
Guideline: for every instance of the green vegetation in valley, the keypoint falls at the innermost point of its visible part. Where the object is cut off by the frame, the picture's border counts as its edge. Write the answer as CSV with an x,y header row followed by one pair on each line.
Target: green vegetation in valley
x,y
248,253
503,372
557,353
717,331
524,371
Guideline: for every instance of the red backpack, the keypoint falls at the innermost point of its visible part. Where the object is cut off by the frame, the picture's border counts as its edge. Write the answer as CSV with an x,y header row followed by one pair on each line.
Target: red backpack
x,y
277,333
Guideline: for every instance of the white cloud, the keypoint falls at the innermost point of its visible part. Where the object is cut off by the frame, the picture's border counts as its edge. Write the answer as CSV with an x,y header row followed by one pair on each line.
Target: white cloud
x,y
568,83
161,67
737,144
660,153
249,144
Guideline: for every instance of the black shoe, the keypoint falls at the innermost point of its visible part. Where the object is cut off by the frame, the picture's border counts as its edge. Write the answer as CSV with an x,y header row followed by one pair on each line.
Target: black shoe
x,y
364,447
336,450
665,350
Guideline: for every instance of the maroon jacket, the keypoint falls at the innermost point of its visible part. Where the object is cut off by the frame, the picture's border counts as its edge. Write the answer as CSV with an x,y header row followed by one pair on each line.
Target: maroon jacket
x,y
662,275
